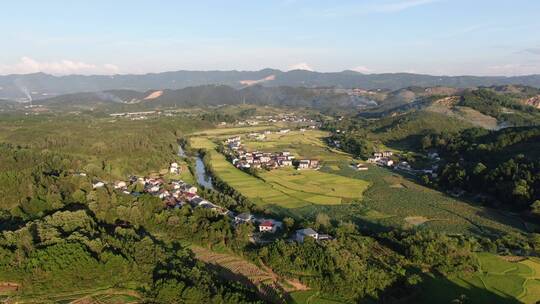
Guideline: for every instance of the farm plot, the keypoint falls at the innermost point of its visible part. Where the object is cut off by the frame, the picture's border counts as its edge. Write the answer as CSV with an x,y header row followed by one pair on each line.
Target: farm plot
x,y
497,281
315,186
284,187
413,201
263,277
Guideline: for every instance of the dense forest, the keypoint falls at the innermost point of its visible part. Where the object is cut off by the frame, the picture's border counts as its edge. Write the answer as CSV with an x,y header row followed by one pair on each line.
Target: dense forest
x,y
505,164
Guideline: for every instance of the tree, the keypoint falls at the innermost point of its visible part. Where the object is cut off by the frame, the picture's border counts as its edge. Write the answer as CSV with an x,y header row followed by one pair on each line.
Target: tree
x,y
322,221
289,223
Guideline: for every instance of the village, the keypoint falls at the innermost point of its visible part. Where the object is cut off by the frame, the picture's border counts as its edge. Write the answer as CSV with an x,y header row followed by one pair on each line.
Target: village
x,y
176,193
389,160
243,159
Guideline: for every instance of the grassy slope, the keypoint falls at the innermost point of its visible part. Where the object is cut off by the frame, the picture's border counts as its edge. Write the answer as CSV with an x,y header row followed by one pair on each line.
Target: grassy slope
x,y
497,281
391,198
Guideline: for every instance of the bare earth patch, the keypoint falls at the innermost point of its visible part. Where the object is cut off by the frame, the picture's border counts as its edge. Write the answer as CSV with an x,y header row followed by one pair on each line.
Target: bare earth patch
x,y
399,185
416,220
6,287
154,95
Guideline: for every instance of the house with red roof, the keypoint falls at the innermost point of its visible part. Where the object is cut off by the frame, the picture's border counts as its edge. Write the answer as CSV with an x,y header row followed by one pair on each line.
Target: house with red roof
x,y
269,226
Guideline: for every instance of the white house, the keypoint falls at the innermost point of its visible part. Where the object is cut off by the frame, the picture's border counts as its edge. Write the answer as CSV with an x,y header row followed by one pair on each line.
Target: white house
x,y
189,188
385,162
98,185
120,185
174,169
361,167
307,232
304,164
244,218
285,162
269,226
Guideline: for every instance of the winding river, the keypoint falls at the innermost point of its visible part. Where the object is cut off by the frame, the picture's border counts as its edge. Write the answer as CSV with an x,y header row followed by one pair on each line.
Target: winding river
x,y
200,170
202,178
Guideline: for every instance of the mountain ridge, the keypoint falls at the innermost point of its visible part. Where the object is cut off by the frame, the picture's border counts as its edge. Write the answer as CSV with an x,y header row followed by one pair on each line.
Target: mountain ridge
x,y
23,87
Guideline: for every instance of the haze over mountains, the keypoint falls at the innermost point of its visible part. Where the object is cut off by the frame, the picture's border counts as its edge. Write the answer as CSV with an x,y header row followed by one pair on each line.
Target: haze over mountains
x,y
41,85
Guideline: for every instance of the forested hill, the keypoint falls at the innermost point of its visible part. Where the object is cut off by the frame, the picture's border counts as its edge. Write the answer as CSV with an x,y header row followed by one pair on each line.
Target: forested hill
x,y
210,95
40,85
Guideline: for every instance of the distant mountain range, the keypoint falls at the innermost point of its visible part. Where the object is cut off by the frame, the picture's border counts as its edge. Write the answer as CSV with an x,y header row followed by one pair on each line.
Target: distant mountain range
x,y
212,95
41,86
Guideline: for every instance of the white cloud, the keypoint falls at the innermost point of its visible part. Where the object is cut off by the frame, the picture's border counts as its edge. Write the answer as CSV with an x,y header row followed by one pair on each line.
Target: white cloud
x,y
300,66
362,69
63,67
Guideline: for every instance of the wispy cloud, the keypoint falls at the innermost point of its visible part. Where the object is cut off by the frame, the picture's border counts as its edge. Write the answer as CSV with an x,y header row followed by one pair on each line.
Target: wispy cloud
x,y
379,6
61,67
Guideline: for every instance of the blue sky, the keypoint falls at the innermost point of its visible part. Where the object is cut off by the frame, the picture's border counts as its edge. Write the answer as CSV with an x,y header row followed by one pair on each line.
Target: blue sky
x,y
444,37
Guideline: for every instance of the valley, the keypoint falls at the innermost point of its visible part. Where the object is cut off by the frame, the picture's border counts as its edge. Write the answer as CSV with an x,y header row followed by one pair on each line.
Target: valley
x,y
266,202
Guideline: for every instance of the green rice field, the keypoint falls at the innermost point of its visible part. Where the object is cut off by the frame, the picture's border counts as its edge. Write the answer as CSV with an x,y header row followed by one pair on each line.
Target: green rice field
x,y
287,188
497,281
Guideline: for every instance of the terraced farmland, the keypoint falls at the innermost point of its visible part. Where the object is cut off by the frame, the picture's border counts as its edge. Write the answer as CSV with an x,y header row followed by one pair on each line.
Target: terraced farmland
x,y
497,281
269,284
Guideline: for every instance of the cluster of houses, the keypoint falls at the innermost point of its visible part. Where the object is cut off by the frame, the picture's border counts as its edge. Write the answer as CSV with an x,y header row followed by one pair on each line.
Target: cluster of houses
x,y
135,115
177,193
243,159
382,158
431,171
265,225
282,117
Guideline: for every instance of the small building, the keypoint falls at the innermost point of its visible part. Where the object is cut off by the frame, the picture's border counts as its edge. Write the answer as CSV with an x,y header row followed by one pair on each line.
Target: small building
x,y
373,160
285,162
324,237
120,185
98,185
245,217
196,201
387,153
232,139
301,234
174,169
404,166
433,155
361,167
189,188
269,226
304,164
385,162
